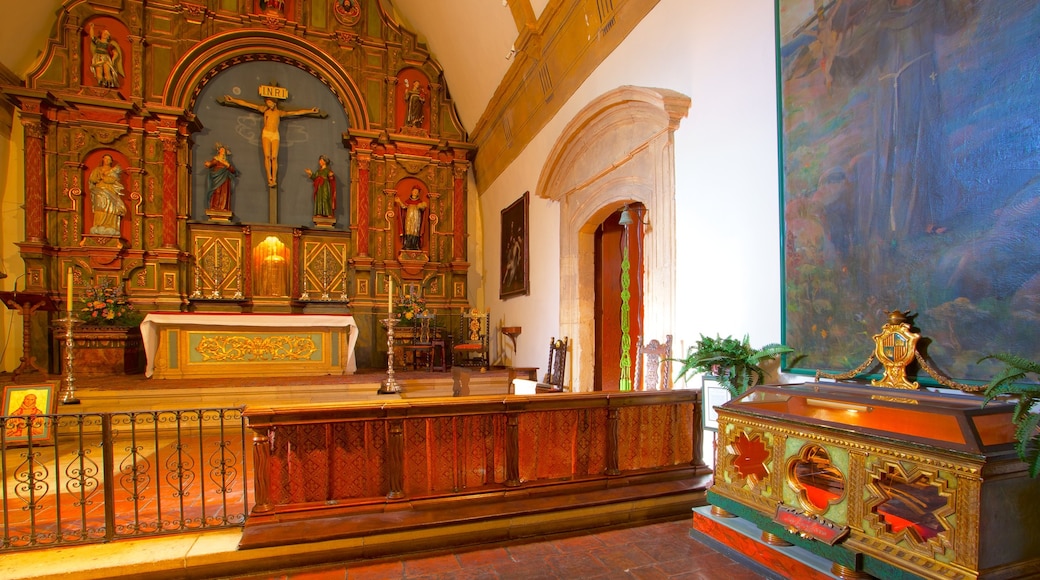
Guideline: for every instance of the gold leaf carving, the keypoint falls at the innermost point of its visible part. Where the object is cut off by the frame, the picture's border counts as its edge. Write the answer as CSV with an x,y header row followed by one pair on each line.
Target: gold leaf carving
x,y
266,348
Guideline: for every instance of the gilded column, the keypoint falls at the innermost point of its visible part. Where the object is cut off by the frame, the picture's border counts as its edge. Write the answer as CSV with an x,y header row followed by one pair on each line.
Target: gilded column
x,y
435,108
391,103
459,211
169,191
247,260
296,271
136,82
364,162
35,133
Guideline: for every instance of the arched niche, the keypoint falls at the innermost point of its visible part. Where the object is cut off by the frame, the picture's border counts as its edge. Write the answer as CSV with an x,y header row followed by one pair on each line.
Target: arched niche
x,y
619,149
221,51
302,139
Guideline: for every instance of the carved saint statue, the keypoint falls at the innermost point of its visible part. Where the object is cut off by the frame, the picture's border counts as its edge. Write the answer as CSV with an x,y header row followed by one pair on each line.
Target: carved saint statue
x,y
412,221
219,181
324,181
414,99
106,196
269,136
106,59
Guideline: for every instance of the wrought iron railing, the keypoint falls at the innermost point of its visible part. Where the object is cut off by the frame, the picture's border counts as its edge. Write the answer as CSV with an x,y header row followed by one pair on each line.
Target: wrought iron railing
x,y
96,477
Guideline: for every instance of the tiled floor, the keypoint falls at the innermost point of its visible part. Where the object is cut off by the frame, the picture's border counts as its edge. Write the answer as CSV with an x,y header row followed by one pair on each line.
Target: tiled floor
x,y
653,551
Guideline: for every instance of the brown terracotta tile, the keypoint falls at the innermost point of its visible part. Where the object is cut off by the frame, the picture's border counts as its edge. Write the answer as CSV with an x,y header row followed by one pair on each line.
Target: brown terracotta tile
x,y
378,571
480,558
651,572
614,537
577,566
431,565
524,570
326,574
536,551
731,572
578,544
480,573
664,550
622,557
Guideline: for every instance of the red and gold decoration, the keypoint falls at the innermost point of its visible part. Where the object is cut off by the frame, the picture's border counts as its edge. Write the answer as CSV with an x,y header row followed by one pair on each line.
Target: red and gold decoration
x,y
114,162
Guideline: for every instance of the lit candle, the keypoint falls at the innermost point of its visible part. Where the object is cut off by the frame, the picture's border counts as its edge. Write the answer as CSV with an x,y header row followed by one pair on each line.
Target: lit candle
x,y
68,297
390,298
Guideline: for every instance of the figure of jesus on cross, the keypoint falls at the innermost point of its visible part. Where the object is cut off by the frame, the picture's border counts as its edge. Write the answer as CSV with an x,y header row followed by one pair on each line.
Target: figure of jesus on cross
x,y
273,116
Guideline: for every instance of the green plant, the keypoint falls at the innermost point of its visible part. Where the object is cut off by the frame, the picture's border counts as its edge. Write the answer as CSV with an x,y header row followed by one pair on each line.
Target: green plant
x,y
1027,421
106,305
735,362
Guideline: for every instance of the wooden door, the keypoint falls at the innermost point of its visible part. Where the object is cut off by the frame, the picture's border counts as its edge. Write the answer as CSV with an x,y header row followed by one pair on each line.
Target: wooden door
x,y
608,256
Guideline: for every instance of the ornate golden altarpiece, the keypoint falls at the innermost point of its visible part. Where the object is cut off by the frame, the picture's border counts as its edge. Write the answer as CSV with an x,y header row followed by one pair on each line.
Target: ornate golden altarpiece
x,y
119,78
885,480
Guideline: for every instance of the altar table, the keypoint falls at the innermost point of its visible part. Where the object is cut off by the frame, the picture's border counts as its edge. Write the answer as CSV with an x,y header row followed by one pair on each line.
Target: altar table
x,y
186,345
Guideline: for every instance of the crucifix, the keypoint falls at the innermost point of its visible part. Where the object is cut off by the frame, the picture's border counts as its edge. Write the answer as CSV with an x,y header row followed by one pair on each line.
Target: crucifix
x,y
269,135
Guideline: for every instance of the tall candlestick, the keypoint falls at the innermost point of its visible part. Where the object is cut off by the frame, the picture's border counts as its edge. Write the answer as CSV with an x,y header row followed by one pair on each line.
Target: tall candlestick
x,y
390,298
68,296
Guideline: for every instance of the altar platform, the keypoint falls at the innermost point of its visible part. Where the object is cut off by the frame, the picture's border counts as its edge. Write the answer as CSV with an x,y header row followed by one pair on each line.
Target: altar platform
x,y
185,345
109,393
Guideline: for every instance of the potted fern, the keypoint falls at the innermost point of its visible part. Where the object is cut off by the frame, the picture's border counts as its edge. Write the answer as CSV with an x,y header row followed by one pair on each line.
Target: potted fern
x,y
735,363
1027,420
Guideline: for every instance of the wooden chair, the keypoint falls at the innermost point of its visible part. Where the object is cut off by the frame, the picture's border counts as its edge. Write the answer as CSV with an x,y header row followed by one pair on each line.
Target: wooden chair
x,y
471,344
554,373
654,365
440,341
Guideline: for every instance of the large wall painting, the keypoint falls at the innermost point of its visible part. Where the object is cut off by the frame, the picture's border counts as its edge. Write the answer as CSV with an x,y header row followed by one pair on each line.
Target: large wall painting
x,y
911,177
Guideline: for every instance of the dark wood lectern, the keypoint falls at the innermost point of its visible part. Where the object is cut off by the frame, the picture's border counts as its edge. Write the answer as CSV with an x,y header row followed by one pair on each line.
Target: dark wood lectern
x,y
27,303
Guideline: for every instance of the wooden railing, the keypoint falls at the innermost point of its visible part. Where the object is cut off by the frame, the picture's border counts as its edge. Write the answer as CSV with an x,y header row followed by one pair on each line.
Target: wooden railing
x,y
314,459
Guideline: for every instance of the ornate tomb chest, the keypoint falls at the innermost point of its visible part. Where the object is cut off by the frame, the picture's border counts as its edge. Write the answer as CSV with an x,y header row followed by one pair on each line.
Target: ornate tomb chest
x,y
893,483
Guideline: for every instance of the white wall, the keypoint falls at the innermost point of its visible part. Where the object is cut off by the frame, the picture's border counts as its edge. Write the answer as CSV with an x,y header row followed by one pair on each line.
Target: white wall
x,y
720,54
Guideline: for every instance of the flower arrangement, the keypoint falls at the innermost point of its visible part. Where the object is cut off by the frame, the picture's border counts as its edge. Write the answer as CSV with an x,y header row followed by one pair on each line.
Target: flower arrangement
x,y
106,305
410,306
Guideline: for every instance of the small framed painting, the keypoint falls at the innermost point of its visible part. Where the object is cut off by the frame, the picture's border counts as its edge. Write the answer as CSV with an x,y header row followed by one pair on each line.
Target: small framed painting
x,y
28,411
515,279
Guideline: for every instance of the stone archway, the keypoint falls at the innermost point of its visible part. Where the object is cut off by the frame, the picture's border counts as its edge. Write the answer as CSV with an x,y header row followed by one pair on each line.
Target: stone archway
x,y
619,149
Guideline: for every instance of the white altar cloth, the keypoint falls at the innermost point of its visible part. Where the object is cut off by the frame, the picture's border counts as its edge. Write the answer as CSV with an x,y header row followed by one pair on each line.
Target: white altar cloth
x,y
155,320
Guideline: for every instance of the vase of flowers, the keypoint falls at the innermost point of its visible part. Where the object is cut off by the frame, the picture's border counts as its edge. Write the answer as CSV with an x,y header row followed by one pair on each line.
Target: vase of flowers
x,y
109,339
411,309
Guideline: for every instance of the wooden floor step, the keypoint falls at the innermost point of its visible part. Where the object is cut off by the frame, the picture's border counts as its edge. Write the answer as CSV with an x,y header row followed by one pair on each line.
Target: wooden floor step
x,y
434,526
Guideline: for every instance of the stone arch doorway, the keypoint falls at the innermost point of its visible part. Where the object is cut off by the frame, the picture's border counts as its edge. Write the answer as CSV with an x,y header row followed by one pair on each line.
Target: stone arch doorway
x,y
618,150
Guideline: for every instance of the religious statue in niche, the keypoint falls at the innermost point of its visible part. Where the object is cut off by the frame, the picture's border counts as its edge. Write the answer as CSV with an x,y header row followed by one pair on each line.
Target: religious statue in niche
x,y
324,181
106,196
106,59
269,136
413,212
414,100
219,184
273,6
347,11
